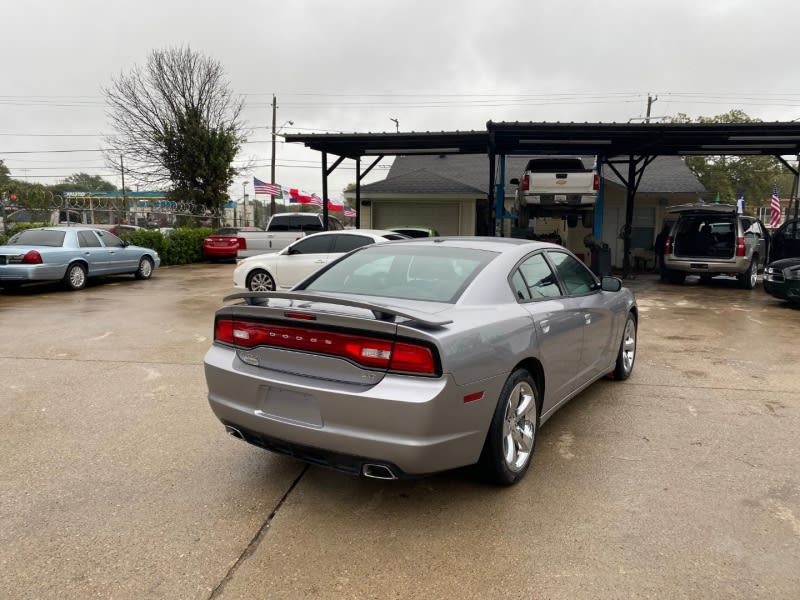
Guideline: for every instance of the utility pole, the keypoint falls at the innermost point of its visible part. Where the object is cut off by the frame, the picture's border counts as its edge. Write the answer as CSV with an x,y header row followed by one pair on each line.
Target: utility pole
x,y
272,171
396,124
650,101
124,196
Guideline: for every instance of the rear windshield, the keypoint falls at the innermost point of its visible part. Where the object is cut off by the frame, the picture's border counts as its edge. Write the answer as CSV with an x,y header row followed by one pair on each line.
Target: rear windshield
x,y
553,165
413,272
38,237
296,223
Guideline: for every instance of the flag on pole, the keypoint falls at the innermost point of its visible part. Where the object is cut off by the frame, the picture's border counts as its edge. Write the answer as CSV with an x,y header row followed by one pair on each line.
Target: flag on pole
x,y
266,189
295,196
740,203
335,205
775,207
349,212
316,200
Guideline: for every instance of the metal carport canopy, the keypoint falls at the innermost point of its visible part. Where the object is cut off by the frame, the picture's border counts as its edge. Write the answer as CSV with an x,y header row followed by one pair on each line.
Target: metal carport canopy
x,y
633,144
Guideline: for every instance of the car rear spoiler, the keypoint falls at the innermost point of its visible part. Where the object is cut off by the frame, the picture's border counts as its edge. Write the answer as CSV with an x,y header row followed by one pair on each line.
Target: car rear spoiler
x,y
381,312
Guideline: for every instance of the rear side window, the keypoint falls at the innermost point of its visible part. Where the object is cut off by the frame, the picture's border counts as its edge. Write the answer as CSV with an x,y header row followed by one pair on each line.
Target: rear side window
x,y
573,274
318,244
87,239
538,279
345,243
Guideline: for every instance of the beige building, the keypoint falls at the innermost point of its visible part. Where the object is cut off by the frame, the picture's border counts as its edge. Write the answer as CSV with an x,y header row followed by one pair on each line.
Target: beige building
x,y
450,194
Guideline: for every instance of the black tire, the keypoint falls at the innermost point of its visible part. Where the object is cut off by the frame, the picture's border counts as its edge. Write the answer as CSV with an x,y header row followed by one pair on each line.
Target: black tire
x,y
75,277
260,281
706,279
145,269
748,279
627,350
511,440
676,277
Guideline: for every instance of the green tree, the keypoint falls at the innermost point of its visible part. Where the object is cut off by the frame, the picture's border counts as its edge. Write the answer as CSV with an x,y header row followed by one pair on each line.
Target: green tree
x,y
83,182
177,124
199,159
5,174
730,176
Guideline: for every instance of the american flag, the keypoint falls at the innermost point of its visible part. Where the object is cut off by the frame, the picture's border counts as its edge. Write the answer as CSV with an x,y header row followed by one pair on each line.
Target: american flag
x,y
267,189
349,212
775,207
315,200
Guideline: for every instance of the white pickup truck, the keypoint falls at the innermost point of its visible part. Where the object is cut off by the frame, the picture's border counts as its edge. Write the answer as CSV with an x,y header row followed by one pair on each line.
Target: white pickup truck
x,y
282,230
557,181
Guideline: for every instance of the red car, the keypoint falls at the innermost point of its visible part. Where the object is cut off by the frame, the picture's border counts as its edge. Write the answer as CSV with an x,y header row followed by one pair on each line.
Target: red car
x,y
224,243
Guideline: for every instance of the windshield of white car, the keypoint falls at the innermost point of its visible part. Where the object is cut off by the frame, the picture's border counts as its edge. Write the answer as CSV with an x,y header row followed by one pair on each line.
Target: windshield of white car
x,y
38,237
426,273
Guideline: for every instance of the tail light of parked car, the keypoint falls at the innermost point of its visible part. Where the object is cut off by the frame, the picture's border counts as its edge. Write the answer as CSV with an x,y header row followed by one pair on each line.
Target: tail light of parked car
x,y
242,243
365,351
524,185
668,245
596,182
31,257
741,248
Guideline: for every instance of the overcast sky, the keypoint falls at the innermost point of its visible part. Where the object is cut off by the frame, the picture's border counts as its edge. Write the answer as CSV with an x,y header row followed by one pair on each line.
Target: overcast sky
x,y
354,65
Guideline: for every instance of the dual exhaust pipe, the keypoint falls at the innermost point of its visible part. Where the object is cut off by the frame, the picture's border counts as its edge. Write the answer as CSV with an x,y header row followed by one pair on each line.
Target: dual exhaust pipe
x,y
368,470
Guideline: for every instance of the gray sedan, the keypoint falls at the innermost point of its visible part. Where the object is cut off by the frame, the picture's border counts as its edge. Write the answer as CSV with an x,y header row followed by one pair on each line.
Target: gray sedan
x,y
418,356
71,255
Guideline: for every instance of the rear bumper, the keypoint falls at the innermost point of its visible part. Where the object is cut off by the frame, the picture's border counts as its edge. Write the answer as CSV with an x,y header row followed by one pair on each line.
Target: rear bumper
x,y
416,425
698,266
210,252
558,199
22,273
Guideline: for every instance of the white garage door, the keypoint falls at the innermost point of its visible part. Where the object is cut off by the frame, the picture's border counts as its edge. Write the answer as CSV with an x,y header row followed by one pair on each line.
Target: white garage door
x,y
444,218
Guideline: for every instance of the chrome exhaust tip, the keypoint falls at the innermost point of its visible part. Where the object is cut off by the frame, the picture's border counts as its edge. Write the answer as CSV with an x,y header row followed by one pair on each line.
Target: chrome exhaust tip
x,y
377,472
234,432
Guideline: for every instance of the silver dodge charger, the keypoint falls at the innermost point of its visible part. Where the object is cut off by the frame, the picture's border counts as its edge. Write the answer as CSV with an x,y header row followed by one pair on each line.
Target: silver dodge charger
x,y
417,356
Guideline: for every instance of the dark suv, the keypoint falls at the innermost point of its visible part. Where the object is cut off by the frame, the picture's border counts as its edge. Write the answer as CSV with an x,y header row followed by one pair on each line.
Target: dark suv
x,y
712,239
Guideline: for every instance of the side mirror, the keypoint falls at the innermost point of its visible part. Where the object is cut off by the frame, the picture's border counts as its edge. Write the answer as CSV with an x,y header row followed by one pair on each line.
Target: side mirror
x,y
514,181
610,284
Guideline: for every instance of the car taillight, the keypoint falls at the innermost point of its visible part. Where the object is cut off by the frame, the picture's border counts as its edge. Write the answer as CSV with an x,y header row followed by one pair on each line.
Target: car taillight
x,y
525,183
32,257
375,353
242,243
668,245
741,249
596,183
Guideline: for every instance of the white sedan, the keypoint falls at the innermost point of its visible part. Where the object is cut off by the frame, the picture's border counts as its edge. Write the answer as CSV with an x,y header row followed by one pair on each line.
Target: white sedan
x,y
284,269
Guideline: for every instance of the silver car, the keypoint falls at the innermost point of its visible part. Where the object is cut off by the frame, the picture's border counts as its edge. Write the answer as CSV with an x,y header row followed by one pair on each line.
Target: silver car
x,y
412,357
71,255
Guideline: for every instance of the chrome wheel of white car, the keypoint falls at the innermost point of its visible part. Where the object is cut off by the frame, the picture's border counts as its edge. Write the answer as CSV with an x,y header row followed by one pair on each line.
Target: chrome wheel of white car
x,y
627,350
145,269
512,434
75,277
260,281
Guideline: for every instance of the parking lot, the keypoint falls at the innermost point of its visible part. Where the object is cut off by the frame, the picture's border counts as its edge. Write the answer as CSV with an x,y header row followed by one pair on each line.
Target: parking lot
x,y
118,482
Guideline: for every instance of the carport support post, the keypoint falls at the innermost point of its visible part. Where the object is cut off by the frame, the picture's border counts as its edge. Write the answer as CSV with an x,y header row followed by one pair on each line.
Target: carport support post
x,y
324,191
626,239
597,226
358,192
500,196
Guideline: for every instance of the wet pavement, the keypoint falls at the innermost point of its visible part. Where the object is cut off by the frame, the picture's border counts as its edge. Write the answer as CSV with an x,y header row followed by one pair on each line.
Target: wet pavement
x,y
116,481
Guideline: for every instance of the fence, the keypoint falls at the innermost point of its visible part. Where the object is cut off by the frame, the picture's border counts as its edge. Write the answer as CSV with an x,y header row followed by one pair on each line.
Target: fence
x,y
107,210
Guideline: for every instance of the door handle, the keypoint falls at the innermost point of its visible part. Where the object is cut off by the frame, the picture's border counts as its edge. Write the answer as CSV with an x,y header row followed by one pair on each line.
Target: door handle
x,y
545,325
587,317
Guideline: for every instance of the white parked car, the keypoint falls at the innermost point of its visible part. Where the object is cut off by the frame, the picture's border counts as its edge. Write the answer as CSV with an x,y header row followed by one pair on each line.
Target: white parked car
x,y
284,269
